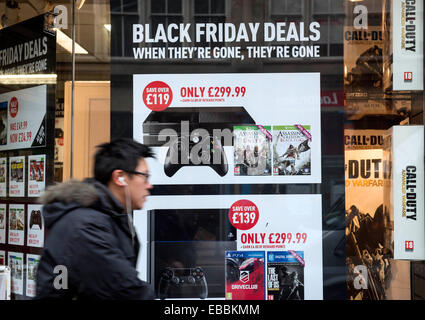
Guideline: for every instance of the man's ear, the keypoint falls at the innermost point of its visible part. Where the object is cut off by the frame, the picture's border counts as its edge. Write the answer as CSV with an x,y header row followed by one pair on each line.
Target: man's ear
x,y
118,178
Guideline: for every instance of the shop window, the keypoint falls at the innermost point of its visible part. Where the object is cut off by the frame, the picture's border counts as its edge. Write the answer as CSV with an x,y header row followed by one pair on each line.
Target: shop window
x,y
330,15
285,7
211,11
123,15
165,12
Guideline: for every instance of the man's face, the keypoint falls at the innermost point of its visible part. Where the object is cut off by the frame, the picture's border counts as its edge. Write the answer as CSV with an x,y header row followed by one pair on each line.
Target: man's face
x,y
139,185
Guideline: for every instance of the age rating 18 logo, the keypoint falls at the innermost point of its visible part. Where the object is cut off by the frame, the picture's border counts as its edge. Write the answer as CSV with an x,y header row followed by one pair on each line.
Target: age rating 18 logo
x,y
408,76
409,245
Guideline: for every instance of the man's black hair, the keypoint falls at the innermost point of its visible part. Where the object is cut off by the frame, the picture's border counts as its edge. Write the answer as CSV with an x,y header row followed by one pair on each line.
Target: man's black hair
x,y
123,154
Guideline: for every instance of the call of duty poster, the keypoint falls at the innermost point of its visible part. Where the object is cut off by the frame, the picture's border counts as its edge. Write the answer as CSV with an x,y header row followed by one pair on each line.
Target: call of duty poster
x,y
368,84
372,274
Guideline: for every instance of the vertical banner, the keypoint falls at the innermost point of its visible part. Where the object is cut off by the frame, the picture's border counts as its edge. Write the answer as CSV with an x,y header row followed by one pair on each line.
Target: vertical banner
x,y
405,145
408,39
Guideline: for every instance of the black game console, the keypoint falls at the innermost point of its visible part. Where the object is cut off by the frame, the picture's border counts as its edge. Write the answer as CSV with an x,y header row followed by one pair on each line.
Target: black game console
x,y
35,219
183,239
208,118
195,136
175,279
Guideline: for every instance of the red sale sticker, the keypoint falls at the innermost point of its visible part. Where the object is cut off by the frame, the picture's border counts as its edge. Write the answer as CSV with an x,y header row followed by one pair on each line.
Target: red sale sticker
x,y
243,214
13,107
157,96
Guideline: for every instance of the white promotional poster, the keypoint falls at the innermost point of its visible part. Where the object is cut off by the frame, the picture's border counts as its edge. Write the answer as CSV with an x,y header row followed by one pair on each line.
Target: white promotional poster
x,y
32,264
261,222
16,224
408,48
16,265
3,177
2,223
35,237
36,175
230,128
16,176
22,118
406,147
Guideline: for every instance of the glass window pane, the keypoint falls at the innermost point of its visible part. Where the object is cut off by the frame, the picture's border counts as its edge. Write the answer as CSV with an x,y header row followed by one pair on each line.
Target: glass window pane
x,y
155,21
116,39
128,34
202,19
115,5
201,6
337,6
336,50
217,6
278,6
130,6
294,6
158,6
174,6
320,6
176,20
336,30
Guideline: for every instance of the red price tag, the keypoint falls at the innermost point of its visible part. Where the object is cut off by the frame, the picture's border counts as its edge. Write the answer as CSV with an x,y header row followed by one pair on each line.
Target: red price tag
x,y
243,214
157,96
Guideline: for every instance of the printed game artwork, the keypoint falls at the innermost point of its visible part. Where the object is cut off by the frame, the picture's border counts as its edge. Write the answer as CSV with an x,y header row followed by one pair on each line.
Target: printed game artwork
x,y
252,154
245,275
292,150
285,275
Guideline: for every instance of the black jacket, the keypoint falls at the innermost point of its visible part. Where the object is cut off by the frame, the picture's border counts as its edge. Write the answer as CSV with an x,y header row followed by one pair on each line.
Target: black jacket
x,y
88,233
